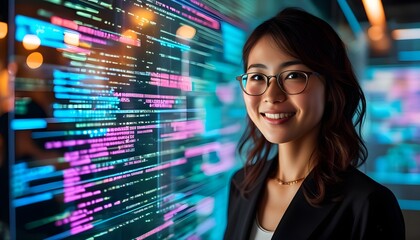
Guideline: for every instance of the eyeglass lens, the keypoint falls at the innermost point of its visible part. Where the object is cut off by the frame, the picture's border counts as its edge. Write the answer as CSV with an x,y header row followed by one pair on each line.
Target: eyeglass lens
x,y
291,82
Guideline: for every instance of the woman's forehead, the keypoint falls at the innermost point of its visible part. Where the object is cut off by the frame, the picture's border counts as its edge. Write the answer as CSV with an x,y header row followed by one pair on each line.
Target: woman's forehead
x,y
266,53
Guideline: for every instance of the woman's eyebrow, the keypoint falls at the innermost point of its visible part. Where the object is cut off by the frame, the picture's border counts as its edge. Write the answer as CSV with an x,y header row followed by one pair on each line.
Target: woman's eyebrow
x,y
282,65
257,65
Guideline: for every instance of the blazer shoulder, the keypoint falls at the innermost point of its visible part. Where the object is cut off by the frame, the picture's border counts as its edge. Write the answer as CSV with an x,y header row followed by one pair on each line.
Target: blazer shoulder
x,y
376,206
361,185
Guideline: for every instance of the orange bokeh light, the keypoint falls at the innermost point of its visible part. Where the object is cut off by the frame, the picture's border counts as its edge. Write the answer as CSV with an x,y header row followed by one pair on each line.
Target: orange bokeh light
x,y
185,31
130,34
144,16
34,60
4,91
3,30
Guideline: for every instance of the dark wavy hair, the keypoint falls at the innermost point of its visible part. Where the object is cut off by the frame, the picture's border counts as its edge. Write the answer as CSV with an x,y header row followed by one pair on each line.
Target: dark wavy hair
x,y
339,145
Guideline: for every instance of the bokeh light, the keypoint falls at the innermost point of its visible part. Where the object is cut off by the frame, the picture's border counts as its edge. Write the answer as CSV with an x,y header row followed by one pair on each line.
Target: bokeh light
x,y
72,38
34,60
186,31
3,30
31,42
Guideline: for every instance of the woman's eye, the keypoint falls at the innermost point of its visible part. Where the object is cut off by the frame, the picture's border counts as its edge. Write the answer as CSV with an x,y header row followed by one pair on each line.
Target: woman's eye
x,y
256,77
295,75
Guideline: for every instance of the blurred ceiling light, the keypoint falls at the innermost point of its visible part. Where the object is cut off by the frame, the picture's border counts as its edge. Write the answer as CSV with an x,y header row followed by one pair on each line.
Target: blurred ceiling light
x,y
34,60
72,38
381,42
375,12
31,42
186,32
405,34
3,30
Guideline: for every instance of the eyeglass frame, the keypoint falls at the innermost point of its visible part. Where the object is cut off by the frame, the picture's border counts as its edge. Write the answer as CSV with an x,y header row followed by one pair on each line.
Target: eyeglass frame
x,y
268,77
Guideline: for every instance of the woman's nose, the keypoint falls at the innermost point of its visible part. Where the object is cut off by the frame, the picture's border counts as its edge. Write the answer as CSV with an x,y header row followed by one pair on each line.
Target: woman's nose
x,y
274,93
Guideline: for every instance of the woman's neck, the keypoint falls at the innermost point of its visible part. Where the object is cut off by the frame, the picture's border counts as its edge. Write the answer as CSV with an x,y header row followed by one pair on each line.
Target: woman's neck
x,y
295,160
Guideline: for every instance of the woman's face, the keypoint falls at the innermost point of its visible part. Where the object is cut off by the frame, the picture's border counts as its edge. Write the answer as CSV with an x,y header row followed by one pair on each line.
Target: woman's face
x,y
283,118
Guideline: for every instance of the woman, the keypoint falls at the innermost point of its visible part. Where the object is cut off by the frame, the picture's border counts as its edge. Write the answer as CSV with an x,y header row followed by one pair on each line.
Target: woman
x,y
302,96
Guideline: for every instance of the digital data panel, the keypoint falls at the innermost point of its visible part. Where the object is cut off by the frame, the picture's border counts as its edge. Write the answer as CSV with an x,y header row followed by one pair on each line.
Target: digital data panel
x,y
125,120
392,130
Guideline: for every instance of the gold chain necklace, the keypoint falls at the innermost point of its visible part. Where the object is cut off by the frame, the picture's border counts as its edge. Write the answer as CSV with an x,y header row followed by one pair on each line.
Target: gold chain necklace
x,y
280,182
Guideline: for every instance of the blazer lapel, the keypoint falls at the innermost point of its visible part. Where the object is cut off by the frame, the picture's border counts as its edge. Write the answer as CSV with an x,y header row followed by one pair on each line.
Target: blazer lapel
x,y
300,218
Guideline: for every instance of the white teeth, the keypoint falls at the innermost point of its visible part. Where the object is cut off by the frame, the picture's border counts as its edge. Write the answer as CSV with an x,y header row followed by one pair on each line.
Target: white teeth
x,y
278,115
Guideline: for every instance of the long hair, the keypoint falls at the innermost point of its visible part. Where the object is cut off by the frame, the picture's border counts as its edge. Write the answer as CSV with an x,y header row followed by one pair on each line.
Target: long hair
x,y
340,145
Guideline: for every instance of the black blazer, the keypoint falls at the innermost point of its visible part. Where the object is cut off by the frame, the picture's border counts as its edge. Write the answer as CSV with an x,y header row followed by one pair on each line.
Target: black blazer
x,y
367,210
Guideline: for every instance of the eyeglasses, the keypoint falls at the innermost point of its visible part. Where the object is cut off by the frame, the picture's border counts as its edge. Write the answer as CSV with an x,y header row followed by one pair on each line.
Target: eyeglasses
x,y
291,82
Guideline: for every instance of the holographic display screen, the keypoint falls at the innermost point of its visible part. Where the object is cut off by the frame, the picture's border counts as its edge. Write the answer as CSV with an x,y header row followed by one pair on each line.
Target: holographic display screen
x,y
125,119
392,130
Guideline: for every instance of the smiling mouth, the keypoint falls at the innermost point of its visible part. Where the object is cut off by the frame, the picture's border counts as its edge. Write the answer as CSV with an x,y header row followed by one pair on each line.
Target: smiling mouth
x,y
277,115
